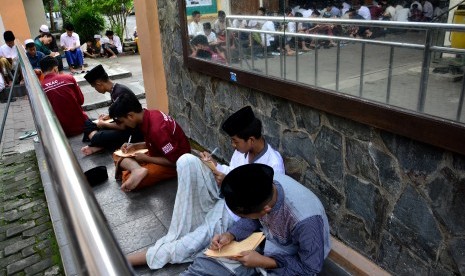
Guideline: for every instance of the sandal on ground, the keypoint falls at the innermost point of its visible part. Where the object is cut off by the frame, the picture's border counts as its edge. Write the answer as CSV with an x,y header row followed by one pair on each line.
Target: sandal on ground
x,y
28,134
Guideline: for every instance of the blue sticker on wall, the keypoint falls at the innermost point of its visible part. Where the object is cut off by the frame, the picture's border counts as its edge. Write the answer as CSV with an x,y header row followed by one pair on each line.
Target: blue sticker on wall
x,y
233,76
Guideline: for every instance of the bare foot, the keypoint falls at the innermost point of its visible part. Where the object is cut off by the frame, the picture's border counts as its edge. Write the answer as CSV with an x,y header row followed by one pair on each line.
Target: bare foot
x,y
113,57
90,150
134,179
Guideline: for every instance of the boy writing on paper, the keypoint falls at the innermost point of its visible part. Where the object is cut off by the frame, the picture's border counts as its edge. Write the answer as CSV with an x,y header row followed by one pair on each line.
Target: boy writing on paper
x,y
164,139
199,212
114,135
290,215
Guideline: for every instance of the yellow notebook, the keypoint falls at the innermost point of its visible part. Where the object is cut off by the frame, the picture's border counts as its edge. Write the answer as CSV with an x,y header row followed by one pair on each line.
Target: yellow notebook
x,y
235,248
120,153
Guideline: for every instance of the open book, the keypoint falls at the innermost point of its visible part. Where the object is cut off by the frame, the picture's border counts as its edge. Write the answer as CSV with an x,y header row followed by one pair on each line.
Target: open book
x,y
120,153
235,248
106,121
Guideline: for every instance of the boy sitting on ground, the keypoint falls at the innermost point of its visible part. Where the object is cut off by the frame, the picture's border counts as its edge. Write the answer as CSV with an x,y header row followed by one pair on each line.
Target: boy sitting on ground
x,y
199,212
164,139
291,217
114,135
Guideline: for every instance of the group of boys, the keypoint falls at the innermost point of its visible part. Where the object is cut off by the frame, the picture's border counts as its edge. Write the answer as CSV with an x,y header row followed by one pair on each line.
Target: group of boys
x,y
251,194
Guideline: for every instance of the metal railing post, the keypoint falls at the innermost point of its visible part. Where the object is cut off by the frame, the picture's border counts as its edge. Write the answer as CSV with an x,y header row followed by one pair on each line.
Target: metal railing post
x,y
10,95
338,64
316,62
424,72
362,70
462,95
391,61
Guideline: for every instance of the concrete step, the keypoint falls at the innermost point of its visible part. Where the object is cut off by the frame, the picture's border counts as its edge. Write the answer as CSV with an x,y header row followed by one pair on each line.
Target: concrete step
x,y
113,73
94,100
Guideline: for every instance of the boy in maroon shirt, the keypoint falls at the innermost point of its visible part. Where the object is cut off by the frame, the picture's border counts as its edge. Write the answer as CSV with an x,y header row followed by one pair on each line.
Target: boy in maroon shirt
x,y
164,139
64,96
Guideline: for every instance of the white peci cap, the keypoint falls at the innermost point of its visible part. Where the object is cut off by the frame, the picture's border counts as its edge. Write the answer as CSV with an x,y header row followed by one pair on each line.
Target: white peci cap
x,y
97,36
44,29
28,41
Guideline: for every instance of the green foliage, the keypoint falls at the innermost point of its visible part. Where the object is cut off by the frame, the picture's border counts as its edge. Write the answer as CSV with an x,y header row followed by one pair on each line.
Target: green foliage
x,y
117,12
87,22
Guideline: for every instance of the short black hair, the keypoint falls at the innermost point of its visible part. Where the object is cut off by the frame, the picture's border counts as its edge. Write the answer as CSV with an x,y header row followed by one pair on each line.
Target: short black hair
x,y
46,34
203,54
48,63
124,104
288,10
199,40
262,9
248,188
109,33
30,45
69,27
207,26
8,36
221,13
194,13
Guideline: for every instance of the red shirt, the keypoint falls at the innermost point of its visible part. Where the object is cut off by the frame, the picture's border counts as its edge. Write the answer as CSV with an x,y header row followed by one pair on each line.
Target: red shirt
x,y
66,99
163,136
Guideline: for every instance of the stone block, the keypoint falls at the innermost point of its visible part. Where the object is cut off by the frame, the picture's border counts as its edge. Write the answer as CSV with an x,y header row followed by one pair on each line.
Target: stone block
x,y
354,232
18,246
37,230
413,156
365,200
35,248
12,204
22,264
307,118
4,261
19,228
54,270
359,162
31,204
297,143
11,215
350,128
329,196
447,193
457,249
283,114
388,171
399,259
38,267
328,145
413,224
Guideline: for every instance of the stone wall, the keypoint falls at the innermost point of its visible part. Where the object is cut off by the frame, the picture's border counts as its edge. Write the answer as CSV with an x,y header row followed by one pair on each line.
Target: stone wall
x,y
397,201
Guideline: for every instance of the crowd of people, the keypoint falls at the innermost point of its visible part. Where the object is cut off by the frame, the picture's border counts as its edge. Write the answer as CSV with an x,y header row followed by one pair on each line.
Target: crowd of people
x,y
391,10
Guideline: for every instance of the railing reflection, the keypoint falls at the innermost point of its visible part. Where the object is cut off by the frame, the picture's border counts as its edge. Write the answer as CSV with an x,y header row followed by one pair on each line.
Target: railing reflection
x,y
394,68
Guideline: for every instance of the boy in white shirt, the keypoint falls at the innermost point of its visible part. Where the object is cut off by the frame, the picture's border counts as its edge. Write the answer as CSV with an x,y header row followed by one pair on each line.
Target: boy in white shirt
x,y
70,43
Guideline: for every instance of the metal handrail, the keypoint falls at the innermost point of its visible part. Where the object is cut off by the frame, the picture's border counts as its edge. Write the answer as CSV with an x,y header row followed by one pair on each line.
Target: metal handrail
x,y
94,247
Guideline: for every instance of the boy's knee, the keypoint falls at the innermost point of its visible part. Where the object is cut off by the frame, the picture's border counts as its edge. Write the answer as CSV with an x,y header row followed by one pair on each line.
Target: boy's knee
x,y
185,160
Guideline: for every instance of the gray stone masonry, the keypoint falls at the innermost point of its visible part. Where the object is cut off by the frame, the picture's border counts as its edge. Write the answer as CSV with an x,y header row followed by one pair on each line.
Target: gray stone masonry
x,y
397,201
24,249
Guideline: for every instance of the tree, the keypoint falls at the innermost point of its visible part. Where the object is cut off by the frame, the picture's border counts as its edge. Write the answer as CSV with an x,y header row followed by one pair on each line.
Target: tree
x,y
48,4
117,12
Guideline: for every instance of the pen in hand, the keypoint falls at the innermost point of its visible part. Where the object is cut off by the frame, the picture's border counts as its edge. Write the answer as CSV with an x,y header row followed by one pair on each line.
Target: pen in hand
x,y
128,143
214,151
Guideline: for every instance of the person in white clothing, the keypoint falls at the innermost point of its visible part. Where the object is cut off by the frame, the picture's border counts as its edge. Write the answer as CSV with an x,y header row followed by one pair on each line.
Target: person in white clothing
x,y
8,57
199,211
267,40
112,45
362,10
195,27
428,10
403,14
70,43
419,6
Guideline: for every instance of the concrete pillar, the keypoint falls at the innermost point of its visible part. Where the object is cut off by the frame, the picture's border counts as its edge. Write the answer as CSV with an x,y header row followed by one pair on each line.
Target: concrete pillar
x,y
14,19
35,13
153,70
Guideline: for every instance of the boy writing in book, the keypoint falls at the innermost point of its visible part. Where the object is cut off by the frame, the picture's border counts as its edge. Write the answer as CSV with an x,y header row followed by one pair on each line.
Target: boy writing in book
x,y
164,139
291,217
115,135
199,212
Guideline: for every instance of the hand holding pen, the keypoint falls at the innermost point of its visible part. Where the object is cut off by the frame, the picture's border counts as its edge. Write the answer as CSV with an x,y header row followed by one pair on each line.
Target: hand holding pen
x,y
127,145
